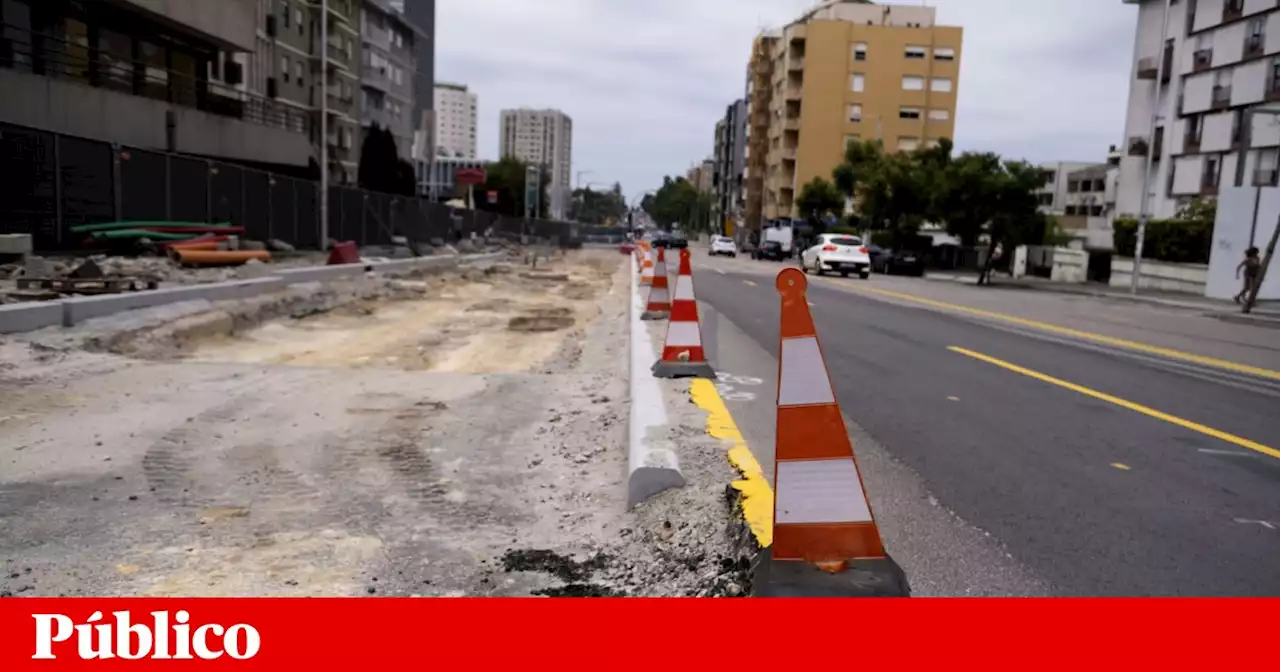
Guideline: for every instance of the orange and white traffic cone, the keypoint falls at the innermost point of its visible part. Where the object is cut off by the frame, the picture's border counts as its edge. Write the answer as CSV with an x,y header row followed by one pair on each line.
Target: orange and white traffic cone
x,y
683,355
659,296
825,538
646,269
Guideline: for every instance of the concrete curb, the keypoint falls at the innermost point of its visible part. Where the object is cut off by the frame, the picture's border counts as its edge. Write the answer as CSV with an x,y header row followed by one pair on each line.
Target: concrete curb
x,y
651,468
19,317
23,317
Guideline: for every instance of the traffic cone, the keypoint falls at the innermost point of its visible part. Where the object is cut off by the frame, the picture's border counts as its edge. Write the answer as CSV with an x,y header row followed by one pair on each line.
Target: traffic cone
x,y
659,297
646,269
825,538
682,354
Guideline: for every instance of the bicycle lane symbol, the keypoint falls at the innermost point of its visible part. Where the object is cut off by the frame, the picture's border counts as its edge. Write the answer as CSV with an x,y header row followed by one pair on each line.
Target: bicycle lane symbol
x,y
727,385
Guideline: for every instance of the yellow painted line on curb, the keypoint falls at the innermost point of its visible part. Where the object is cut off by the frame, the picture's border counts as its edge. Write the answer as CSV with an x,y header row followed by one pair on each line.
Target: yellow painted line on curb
x,y
1076,333
757,496
1121,467
1138,408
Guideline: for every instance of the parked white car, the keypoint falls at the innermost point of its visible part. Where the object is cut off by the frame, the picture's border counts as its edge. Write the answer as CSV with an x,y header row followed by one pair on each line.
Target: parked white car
x,y
837,252
723,245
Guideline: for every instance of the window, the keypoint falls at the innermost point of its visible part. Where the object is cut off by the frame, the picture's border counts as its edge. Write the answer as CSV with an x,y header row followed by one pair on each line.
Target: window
x,y
944,54
1194,127
1073,187
284,68
908,144
939,115
855,112
909,113
860,51
1255,36
1070,210
912,83
285,5
297,71
858,83
1099,185
914,52
1086,186
297,16
941,84
1095,211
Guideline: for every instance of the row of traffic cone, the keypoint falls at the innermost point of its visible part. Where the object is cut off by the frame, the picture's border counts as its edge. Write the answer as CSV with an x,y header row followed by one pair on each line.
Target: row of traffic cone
x,y
682,353
825,538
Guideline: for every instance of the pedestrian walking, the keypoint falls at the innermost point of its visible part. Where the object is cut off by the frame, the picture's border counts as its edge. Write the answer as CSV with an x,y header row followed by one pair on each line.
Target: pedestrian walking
x,y
1252,268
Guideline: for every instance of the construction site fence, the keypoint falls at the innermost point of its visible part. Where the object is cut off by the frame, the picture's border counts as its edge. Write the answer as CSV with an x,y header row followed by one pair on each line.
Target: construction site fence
x,y
53,182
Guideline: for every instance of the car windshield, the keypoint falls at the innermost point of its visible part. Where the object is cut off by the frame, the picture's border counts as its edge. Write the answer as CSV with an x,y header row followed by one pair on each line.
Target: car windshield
x,y
847,241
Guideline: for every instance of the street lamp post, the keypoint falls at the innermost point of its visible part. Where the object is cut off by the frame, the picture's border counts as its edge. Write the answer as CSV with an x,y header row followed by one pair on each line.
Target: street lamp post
x,y
1151,148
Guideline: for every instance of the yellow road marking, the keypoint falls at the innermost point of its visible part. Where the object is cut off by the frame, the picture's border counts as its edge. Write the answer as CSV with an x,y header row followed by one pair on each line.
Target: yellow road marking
x,y
757,496
1076,333
1139,408
1121,467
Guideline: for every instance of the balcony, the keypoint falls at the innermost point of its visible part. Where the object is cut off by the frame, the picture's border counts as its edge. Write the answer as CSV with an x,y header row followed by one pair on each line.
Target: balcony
x,y
795,64
1138,146
376,78
338,56
1273,89
788,154
792,93
1232,10
791,124
1202,60
1252,46
1221,98
1266,178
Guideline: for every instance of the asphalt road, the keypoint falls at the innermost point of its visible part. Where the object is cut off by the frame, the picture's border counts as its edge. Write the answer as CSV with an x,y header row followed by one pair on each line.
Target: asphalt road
x,y
989,479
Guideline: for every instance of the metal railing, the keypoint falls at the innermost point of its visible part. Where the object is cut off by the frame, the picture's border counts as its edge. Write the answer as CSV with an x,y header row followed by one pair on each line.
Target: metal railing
x,y
47,55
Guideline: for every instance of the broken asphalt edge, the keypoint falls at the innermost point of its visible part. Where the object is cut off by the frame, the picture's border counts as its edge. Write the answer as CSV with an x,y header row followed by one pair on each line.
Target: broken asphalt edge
x,y
24,317
651,469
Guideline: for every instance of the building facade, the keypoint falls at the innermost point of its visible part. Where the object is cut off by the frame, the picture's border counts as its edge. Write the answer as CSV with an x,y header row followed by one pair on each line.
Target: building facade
x,y
124,73
759,97
1199,72
1058,179
421,15
386,73
728,178
456,118
851,70
438,179
544,138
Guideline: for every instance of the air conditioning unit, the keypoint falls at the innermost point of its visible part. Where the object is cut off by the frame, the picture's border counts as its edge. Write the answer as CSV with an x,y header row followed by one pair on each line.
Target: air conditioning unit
x,y
272,88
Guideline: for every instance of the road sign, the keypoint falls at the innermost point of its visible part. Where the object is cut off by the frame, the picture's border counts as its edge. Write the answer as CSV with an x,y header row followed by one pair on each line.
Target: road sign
x,y
470,176
493,197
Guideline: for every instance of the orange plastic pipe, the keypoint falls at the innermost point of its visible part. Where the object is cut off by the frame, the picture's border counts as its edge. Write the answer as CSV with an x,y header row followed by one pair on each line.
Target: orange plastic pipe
x,y
191,257
205,247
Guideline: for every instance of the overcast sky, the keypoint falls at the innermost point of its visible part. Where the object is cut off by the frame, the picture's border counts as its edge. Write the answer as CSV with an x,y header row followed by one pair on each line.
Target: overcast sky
x,y
646,80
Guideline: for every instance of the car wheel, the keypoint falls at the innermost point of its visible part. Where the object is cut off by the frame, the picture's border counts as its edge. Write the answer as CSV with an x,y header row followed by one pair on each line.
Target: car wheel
x,y
817,267
865,275
844,274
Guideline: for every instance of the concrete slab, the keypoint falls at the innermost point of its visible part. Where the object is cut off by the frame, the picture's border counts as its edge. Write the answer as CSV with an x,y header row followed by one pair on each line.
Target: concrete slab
x,y
293,276
79,309
19,317
652,465
15,243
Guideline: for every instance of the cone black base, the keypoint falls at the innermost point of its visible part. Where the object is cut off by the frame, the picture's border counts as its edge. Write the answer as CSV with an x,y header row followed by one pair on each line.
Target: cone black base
x,y
879,577
664,369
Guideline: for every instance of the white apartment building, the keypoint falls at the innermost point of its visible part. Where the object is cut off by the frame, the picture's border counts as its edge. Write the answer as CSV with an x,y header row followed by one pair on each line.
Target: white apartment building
x,y
544,138
1052,194
456,112
1219,59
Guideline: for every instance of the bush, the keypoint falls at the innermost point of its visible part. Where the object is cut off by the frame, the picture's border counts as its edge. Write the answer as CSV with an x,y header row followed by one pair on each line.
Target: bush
x,y
1179,241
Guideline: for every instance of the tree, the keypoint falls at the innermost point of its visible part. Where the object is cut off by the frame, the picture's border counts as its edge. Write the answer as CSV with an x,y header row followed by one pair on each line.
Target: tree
x,y
969,188
679,202
819,198
603,208
1018,220
507,178
381,168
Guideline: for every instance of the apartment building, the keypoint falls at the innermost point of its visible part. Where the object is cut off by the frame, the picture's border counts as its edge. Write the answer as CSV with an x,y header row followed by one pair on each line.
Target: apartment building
x,y
850,70
168,76
728,179
759,95
387,42
702,176
1200,73
544,138
1057,180
421,14
438,179
456,117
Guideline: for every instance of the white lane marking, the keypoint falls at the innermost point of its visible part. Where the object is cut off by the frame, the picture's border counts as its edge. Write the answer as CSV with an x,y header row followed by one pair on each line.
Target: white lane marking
x,y
749,283
721,271
1236,453
1268,525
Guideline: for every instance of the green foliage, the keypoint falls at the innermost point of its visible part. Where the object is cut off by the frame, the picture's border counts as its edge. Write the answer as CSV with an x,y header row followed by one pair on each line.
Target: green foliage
x,y
381,168
819,198
605,208
1173,240
507,177
678,202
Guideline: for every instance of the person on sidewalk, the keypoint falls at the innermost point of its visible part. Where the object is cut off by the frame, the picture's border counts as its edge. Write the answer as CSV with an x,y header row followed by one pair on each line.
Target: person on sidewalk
x,y
1252,267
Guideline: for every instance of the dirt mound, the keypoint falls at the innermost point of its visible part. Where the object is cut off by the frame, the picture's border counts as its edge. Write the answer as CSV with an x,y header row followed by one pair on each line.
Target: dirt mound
x,y
542,319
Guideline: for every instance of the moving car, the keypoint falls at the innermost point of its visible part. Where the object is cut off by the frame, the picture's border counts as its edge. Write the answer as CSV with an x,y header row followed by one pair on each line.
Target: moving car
x,y
837,252
879,258
903,262
723,245
771,250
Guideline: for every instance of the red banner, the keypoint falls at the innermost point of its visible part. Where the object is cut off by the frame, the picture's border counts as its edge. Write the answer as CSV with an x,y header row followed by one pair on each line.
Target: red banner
x,y
360,634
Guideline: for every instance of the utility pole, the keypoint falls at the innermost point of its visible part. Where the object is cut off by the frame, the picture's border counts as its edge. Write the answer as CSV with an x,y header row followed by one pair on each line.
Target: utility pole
x,y
324,124
1151,148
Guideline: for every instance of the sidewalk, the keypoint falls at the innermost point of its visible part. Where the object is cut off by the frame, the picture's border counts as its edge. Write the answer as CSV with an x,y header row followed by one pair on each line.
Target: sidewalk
x,y
1265,314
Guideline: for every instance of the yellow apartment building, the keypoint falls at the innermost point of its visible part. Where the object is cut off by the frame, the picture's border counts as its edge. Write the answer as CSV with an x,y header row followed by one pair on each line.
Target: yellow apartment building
x,y
841,71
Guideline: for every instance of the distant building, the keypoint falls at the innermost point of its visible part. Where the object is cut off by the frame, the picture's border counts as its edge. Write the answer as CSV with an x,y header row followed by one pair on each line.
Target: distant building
x,y
1052,195
456,113
438,179
728,180
386,76
544,138
702,176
